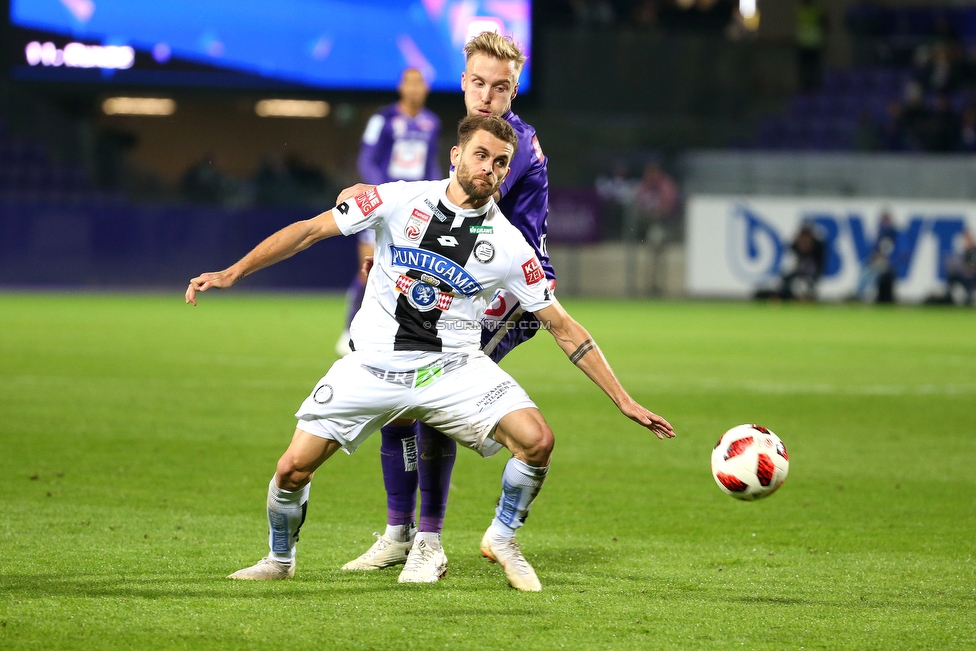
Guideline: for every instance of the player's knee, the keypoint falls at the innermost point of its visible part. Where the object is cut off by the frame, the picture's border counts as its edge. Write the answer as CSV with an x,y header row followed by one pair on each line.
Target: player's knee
x,y
539,448
289,475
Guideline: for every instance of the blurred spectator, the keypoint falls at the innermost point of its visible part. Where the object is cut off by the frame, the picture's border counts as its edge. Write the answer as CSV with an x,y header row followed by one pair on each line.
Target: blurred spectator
x,y
892,132
967,130
877,272
807,252
656,204
961,273
939,69
619,186
617,192
704,16
943,31
645,13
273,184
867,135
716,14
915,118
811,39
312,183
554,12
112,147
594,13
865,21
205,182
943,130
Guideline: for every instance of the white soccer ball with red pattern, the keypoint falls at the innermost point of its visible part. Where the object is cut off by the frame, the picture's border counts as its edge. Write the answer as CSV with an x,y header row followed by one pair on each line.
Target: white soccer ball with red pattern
x,y
749,462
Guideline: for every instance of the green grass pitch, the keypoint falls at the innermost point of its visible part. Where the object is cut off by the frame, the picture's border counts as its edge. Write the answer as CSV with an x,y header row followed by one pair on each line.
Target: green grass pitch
x,y
138,435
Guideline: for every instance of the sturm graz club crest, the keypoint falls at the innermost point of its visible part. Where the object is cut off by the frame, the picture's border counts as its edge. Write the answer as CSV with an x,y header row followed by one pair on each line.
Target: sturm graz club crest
x,y
484,252
422,296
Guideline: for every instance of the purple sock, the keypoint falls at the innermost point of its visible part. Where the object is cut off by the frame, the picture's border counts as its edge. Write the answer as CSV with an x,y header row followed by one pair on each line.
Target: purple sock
x,y
398,454
437,455
354,297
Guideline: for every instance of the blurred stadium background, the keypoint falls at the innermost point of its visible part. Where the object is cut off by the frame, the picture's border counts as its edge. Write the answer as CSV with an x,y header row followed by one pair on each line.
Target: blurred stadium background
x,y
688,139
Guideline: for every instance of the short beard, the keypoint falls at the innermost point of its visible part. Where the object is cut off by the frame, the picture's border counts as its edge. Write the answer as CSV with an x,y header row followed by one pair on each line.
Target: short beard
x,y
474,192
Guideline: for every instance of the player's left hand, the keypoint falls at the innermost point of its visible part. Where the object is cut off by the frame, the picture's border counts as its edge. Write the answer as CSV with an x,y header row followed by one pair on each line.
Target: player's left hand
x,y
643,416
210,280
367,265
353,191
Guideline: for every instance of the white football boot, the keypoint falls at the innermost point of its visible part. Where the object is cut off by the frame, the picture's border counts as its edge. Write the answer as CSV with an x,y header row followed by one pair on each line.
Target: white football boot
x,y
385,552
266,569
520,574
426,563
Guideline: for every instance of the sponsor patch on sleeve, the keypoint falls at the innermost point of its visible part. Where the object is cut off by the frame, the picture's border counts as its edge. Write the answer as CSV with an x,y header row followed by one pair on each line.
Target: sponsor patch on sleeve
x,y
532,270
537,148
369,201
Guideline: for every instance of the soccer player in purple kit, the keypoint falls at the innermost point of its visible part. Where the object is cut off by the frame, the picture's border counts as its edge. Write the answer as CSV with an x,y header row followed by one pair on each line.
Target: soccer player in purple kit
x,y
418,455
400,143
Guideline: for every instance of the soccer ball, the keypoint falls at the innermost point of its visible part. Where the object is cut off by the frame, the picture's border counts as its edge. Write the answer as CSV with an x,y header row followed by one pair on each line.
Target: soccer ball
x,y
749,462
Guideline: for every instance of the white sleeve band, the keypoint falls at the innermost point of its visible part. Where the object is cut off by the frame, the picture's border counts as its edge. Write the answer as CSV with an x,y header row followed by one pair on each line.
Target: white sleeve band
x,y
373,129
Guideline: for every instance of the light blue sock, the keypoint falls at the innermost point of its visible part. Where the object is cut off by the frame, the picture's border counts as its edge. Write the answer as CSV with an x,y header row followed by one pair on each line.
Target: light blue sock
x,y
286,514
520,484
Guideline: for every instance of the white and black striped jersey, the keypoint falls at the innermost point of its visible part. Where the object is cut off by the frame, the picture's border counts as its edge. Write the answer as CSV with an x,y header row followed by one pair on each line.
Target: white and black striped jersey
x,y
436,267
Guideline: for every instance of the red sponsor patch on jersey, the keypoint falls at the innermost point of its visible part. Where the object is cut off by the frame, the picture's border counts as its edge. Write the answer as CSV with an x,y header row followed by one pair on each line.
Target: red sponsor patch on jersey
x,y
369,201
533,271
537,148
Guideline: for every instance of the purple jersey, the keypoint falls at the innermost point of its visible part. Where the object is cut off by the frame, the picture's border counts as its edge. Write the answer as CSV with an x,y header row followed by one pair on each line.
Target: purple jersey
x,y
397,147
525,193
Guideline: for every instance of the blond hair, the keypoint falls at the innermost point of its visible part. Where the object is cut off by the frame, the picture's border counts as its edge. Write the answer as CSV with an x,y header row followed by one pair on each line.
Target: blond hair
x,y
495,45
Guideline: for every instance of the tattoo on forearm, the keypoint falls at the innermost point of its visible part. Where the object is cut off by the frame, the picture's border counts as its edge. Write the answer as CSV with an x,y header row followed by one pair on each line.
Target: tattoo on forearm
x,y
584,348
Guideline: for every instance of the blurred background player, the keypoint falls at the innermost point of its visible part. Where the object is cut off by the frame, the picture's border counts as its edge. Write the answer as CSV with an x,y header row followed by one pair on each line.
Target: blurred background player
x,y
400,143
489,83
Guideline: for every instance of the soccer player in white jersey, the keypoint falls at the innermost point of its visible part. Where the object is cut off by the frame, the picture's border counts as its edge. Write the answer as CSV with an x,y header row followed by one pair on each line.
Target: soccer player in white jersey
x,y
443,248
417,455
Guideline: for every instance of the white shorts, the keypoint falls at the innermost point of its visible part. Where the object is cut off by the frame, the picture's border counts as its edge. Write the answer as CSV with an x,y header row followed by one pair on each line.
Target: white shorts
x,y
463,395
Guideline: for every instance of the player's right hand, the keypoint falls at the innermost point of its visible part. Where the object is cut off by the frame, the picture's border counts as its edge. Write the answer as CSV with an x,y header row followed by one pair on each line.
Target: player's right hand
x,y
353,191
210,280
643,416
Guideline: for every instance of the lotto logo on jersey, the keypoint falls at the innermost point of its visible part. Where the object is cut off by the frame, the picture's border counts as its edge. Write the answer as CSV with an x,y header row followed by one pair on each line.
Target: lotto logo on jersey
x,y
533,271
415,225
369,201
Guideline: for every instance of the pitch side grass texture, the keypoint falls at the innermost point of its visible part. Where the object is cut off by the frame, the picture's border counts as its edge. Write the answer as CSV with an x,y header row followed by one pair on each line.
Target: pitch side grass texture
x,y
138,435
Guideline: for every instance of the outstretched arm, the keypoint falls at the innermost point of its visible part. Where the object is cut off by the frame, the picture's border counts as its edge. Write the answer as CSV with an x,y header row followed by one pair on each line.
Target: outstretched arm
x,y
281,245
577,343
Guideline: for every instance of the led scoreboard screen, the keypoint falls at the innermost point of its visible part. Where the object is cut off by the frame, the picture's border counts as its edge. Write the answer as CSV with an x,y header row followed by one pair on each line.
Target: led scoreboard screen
x,y
328,44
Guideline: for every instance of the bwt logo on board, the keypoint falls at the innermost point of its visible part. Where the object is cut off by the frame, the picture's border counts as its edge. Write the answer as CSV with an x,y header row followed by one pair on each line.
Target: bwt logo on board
x,y
758,247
